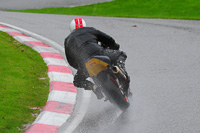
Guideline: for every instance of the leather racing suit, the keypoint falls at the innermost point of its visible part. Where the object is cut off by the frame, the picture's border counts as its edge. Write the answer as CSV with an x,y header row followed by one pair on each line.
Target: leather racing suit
x,y
82,43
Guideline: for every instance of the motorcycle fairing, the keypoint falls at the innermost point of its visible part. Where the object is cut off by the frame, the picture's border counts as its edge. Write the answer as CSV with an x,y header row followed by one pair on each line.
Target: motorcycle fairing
x,y
97,64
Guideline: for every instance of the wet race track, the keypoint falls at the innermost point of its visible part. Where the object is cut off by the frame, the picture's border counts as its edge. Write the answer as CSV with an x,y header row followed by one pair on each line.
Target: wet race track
x,y
163,63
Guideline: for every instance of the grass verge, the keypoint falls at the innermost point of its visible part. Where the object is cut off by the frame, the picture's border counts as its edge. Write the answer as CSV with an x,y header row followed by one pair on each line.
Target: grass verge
x,y
20,85
167,9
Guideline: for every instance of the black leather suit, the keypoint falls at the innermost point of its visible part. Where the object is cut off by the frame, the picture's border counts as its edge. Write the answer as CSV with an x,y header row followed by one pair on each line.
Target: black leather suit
x,y
81,44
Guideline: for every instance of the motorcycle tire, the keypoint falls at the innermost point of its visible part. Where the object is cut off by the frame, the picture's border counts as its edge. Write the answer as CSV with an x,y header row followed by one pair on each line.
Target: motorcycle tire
x,y
109,84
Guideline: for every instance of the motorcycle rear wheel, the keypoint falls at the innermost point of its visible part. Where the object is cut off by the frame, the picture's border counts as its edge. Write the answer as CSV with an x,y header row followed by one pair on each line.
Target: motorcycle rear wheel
x,y
112,90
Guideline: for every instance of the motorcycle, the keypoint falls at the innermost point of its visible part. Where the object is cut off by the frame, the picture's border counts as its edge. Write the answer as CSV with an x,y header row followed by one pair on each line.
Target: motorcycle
x,y
110,78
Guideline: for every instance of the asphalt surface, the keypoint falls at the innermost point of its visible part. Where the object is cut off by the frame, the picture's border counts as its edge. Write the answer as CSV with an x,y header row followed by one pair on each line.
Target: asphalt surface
x,y
163,63
37,4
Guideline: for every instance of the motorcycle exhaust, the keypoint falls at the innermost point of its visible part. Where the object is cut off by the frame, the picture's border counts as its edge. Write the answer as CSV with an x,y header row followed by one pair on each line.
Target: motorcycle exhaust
x,y
118,72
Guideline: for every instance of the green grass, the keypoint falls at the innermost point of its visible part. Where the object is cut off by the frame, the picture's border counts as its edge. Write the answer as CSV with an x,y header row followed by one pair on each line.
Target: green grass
x,y
20,84
168,9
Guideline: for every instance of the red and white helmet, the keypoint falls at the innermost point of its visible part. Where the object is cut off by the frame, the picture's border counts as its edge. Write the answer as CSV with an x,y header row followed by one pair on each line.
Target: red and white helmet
x,y
77,23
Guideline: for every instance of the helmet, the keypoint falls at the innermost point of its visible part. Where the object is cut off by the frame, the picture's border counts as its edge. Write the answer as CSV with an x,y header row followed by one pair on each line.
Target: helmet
x,y
77,23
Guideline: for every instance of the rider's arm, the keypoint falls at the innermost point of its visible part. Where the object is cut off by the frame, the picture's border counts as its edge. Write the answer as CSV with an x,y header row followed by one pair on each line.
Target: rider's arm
x,y
107,40
70,60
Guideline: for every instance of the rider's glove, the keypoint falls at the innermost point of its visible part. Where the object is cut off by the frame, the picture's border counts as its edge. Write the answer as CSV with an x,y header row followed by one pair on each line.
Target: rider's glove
x,y
116,47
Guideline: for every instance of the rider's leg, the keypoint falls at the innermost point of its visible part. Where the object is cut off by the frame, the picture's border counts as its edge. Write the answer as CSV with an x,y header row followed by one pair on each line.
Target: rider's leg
x,y
80,80
118,58
120,62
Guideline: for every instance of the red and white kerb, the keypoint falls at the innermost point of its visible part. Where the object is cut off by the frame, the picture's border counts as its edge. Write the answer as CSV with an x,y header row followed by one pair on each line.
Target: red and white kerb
x,y
62,96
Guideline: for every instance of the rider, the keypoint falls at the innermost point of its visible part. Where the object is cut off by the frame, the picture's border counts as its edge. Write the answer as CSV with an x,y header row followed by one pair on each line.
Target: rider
x,y
82,43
